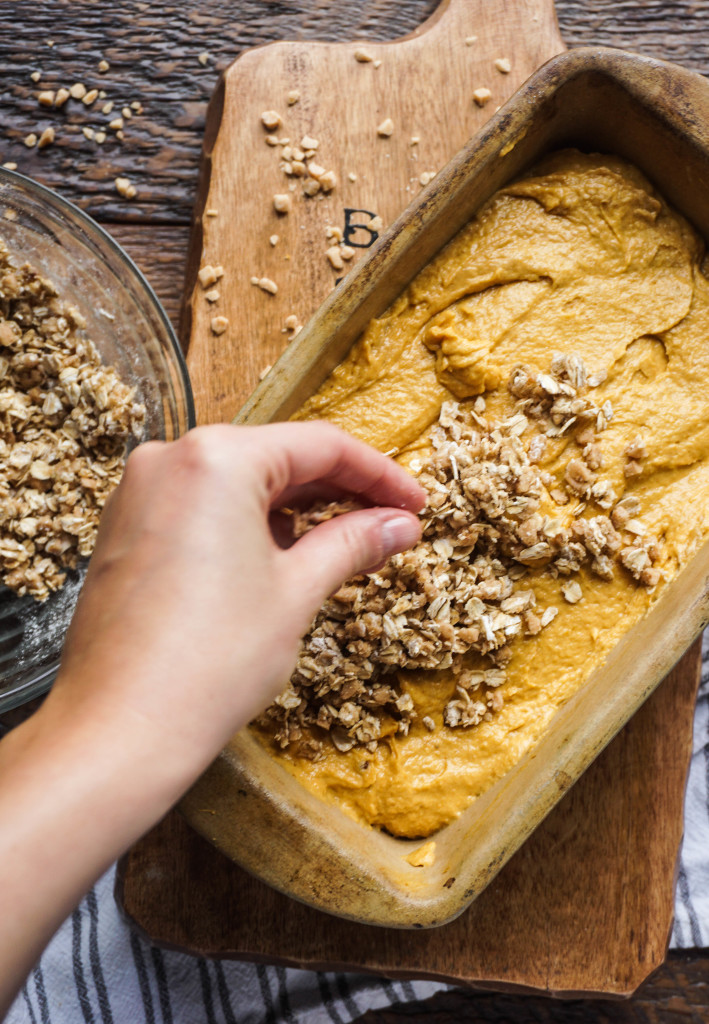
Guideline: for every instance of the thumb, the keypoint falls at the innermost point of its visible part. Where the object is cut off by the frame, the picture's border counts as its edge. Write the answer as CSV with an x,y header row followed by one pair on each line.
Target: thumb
x,y
346,545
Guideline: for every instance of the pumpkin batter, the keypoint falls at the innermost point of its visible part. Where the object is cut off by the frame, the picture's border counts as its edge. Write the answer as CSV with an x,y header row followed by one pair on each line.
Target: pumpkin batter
x,y
581,257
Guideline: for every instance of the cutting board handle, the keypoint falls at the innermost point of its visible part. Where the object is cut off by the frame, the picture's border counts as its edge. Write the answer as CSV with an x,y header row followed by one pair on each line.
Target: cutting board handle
x,y
466,15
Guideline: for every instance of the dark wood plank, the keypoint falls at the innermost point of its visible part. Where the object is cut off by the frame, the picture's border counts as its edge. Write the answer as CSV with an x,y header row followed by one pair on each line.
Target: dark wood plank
x,y
153,51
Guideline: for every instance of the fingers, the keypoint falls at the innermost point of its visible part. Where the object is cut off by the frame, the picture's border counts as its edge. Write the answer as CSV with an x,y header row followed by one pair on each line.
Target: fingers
x,y
304,453
356,542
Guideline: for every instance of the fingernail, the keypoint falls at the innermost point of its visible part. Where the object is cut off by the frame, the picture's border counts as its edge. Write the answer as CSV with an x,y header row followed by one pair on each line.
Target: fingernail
x,y
399,533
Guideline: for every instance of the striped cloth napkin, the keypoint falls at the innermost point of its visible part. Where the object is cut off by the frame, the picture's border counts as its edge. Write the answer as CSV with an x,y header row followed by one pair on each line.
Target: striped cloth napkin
x,y
97,971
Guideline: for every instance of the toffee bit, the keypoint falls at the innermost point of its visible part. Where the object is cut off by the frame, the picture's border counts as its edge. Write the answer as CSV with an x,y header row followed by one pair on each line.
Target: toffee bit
x,y
219,324
282,203
125,188
46,138
265,284
271,120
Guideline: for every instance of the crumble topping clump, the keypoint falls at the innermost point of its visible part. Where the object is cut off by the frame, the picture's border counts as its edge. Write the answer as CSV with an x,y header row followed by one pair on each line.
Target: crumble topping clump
x,y
65,420
458,598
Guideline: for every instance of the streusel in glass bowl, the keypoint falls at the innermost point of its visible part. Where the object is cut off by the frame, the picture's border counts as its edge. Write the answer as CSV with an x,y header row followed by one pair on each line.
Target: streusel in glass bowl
x,y
128,327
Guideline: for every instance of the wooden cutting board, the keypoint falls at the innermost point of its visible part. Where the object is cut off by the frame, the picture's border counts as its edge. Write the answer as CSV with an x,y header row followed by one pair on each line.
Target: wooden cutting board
x,y
586,904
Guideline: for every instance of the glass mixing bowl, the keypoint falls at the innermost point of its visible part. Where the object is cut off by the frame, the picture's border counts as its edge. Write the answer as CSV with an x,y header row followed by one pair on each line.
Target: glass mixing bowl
x,y
131,331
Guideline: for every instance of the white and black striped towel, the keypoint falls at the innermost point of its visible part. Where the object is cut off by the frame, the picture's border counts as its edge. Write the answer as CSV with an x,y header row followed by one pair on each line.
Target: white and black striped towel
x,y
97,971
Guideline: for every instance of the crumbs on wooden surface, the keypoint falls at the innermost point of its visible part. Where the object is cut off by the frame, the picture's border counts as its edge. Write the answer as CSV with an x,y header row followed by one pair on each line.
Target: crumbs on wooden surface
x,y
482,96
209,275
46,138
125,188
282,203
265,284
423,856
219,324
271,120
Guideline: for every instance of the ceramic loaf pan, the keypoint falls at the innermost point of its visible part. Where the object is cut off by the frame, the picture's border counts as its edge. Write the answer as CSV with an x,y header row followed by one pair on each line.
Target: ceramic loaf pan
x,y
657,116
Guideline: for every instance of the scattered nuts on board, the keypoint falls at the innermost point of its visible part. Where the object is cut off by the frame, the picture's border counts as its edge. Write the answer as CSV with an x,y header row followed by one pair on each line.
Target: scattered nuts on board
x,y
125,188
482,96
333,255
219,324
271,119
77,91
46,97
265,284
503,65
363,56
209,275
386,128
282,203
46,138
292,97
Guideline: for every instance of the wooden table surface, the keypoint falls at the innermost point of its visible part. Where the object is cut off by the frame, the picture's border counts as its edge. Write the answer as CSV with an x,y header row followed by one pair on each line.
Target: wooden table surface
x,y
167,56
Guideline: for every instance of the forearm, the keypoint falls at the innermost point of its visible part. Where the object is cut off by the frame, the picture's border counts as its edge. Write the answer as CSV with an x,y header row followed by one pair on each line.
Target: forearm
x,y
187,625
75,791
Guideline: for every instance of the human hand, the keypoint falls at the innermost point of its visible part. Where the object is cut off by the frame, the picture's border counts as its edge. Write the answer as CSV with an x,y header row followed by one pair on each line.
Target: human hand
x,y
187,625
189,620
